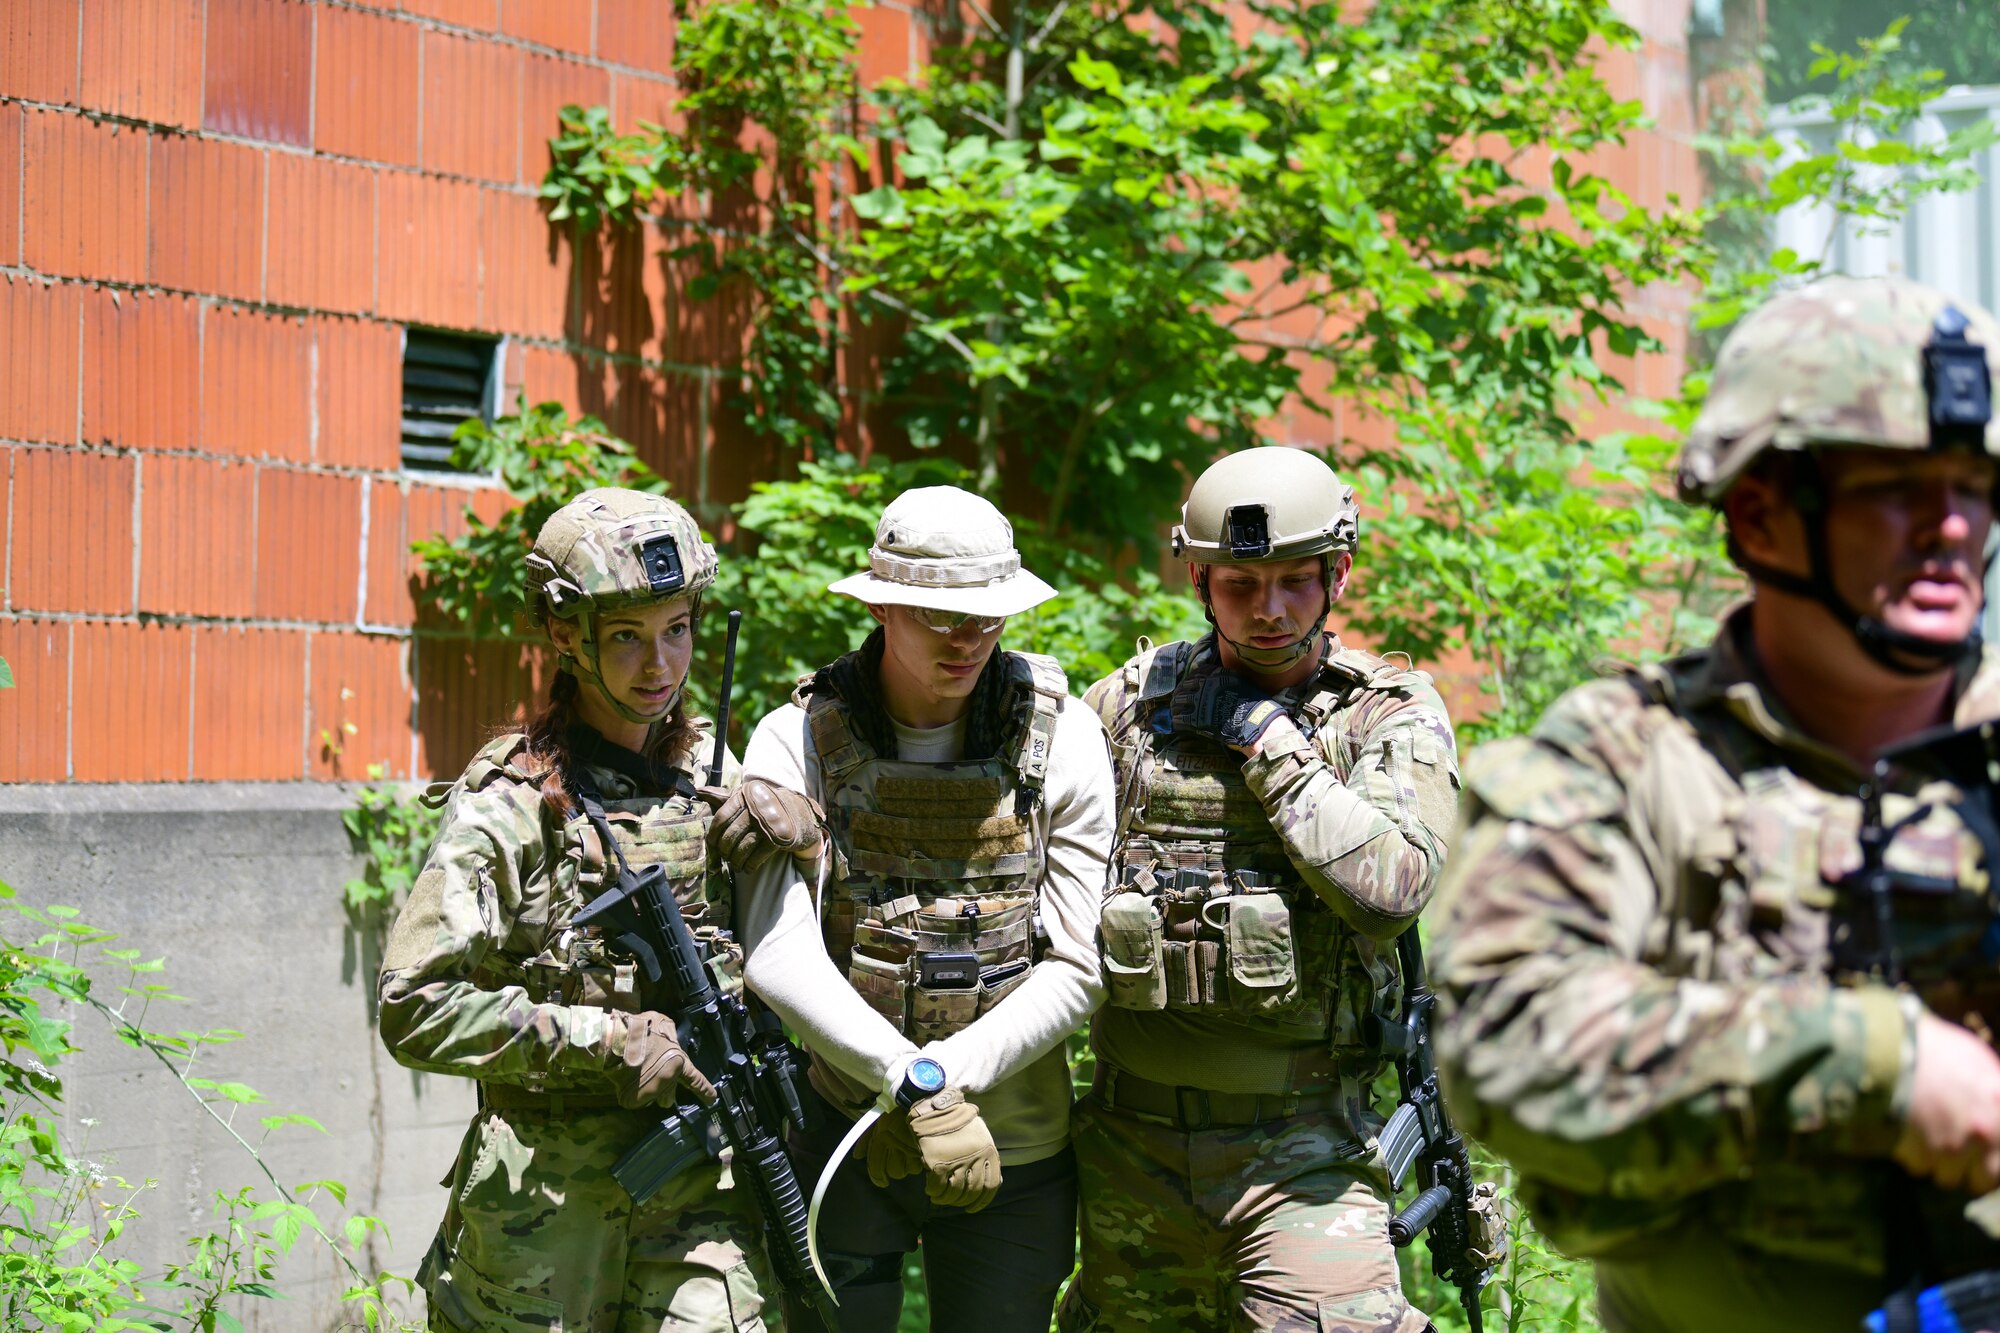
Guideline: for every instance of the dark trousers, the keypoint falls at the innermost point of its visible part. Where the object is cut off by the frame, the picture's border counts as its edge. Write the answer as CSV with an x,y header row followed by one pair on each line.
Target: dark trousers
x,y
997,1270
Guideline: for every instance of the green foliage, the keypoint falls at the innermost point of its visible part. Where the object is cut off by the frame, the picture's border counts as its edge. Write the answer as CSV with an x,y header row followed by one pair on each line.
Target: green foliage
x,y
6,675
1097,231
61,1214
543,457
600,174
1870,175
1958,38
1539,558
392,830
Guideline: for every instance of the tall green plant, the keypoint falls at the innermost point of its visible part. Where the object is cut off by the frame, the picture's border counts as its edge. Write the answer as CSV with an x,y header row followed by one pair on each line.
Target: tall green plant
x,y
62,1214
1105,241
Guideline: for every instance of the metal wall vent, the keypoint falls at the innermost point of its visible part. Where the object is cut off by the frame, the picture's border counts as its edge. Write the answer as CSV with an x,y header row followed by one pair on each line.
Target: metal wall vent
x,y
448,378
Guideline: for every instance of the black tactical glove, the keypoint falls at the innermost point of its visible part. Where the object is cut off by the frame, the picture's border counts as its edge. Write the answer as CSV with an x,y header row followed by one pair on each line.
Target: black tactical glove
x,y
1225,707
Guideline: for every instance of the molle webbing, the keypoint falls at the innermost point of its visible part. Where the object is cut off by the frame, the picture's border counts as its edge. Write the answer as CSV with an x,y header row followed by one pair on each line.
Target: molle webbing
x,y
1203,798
938,796
944,838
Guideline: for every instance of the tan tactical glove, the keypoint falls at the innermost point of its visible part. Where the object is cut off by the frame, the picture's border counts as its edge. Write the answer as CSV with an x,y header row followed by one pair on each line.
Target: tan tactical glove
x,y
651,1064
890,1148
957,1149
760,819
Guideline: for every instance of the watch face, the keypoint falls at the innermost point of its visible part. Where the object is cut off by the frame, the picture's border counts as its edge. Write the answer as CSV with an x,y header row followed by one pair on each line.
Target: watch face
x,y
925,1075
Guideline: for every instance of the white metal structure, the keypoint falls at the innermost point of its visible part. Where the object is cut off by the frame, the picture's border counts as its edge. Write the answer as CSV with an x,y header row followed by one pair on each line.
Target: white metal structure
x,y
1951,241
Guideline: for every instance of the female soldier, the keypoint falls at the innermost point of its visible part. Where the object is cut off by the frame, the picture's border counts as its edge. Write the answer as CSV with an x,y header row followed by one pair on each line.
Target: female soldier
x,y
484,977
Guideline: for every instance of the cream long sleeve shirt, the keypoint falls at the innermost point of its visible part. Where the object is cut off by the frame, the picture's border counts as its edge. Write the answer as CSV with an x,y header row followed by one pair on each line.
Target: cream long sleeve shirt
x,y
1010,1060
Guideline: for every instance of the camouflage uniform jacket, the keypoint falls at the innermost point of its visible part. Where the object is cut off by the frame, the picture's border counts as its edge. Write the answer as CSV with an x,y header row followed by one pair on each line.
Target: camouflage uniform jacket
x,y
1639,954
481,976
1352,803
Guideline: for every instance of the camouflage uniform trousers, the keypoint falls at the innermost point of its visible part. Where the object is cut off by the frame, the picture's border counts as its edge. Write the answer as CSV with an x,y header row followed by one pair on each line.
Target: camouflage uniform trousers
x,y
1279,1226
537,1235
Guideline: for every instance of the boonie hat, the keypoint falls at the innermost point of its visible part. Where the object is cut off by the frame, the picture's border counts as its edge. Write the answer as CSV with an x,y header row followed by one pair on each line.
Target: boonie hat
x,y
948,550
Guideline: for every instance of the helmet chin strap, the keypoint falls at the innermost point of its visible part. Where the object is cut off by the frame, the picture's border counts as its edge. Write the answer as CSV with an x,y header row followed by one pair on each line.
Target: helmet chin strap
x,y
1275,659
1899,651
583,665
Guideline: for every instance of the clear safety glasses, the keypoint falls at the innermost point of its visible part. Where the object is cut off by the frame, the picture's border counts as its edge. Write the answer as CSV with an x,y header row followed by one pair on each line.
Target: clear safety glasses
x,y
944,622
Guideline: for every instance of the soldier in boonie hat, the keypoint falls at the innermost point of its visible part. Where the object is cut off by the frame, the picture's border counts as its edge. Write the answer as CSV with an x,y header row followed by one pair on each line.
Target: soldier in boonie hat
x,y
945,549
966,813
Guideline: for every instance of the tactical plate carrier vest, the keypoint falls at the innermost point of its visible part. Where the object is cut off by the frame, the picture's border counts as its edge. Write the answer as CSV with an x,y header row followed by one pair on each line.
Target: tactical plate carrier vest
x,y
937,867
1759,877
555,964
1207,911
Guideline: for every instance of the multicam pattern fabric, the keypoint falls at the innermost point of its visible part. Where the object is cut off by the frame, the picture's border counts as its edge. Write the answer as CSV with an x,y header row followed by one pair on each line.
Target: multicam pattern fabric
x,y
1651,956
1274,1228
1838,362
933,859
1318,851
1335,832
538,1235
483,978
611,547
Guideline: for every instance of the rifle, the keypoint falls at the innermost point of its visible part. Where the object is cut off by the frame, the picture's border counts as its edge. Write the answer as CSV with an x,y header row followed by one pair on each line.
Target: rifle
x,y
1420,1135
755,1071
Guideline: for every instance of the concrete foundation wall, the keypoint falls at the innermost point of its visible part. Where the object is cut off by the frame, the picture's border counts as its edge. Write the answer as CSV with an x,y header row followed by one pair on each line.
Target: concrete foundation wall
x,y
238,887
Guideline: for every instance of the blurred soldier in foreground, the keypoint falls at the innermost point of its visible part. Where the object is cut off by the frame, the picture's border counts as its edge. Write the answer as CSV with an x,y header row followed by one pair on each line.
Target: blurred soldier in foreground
x,y
935,948
1282,815
1674,926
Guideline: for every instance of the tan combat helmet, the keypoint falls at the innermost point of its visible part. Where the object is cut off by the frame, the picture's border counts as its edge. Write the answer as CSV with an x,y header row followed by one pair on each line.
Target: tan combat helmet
x,y
1263,505
612,548
1883,363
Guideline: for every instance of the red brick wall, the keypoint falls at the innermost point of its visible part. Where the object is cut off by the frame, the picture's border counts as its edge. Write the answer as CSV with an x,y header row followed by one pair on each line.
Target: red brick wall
x,y
216,216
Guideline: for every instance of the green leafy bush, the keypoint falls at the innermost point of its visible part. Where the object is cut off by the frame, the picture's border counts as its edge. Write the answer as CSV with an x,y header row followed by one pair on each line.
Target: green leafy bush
x,y
62,1214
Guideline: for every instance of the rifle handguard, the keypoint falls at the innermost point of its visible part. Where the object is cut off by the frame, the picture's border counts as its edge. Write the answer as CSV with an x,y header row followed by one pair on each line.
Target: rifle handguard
x,y
1413,1221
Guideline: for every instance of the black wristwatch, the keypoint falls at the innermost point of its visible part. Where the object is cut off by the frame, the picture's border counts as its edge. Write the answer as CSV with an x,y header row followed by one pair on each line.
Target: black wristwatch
x,y
924,1078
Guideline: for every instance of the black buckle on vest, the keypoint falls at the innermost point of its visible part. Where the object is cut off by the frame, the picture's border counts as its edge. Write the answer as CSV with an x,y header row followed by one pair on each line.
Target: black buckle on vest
x,y
1198,1118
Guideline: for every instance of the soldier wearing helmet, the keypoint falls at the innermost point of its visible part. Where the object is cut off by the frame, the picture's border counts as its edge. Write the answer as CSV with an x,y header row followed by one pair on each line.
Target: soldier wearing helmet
x,y
1718,982
933,948
1284,802
574,1056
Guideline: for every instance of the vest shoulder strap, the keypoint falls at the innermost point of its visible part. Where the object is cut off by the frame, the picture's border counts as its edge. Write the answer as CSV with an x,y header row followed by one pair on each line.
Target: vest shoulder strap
x,y
1159,670
1047,689
839,747
502,757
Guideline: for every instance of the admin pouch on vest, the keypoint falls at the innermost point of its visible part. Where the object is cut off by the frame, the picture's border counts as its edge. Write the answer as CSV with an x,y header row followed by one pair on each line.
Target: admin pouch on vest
x,y
1759,876
1207,912
937,867
556,964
